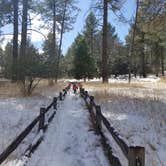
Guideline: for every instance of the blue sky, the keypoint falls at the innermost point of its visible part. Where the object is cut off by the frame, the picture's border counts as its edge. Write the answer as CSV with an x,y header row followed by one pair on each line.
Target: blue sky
x,y
121,28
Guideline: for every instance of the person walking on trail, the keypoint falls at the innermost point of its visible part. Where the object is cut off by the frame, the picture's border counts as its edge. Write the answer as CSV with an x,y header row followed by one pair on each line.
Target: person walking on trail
x,y
75,87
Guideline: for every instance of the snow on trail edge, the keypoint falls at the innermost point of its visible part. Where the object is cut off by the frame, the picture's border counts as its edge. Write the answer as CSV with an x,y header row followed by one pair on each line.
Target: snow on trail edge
x,y
68,141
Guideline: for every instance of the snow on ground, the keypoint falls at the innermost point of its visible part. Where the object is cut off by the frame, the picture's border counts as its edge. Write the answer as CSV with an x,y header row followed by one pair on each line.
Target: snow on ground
x,y
141,123
119,79
138,114
149,90
68,141
139,117
16,113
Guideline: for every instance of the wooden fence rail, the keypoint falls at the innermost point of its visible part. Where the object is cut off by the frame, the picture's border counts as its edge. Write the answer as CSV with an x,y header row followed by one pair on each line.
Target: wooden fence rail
x,y
134,155
41,120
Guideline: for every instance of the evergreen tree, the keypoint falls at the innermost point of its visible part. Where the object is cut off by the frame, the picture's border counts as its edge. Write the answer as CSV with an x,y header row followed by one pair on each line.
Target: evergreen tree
x,y
7,61
50,63
5,12
83,63
104,6
90,30
60,15
68,61
148,54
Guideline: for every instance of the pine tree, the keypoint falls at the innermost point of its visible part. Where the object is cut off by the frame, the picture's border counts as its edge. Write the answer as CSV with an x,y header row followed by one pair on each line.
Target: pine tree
x,y
104,6
5,12
83,63
68,61
48,48
61,15
90,30
149,40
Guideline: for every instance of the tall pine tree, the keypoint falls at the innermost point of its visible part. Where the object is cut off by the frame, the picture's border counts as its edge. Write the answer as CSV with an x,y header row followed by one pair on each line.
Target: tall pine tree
x,y
83,63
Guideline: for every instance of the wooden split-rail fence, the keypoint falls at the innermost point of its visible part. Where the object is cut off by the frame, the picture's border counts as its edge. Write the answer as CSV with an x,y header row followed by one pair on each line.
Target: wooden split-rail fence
x,y
42,120
134,155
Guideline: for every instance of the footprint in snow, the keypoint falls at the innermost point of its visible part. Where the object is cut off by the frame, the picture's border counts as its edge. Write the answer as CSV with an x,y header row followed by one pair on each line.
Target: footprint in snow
x,y
67,149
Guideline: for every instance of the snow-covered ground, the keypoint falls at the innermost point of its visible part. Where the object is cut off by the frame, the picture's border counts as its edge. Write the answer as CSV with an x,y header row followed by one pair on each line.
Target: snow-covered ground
x,y
16,113
138,114
141,123
68,140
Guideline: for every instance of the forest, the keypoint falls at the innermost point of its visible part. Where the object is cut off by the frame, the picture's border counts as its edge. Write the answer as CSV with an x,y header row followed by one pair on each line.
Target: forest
x,y
82,82
96,51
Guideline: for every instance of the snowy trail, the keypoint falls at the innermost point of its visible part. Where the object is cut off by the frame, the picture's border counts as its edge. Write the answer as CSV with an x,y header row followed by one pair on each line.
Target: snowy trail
x,y
68,140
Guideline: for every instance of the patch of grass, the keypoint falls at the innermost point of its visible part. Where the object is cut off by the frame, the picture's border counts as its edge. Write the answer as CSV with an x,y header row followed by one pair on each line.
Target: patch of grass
x,y
115,85
163,80
8,89
114,91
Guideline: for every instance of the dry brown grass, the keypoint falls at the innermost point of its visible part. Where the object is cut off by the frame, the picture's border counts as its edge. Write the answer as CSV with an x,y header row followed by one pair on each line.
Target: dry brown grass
x,y
137,90
45,84
163,80
114,85
8,89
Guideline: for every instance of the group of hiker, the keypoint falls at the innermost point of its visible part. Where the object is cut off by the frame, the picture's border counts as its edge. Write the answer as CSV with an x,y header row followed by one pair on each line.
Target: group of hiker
x,y
75,87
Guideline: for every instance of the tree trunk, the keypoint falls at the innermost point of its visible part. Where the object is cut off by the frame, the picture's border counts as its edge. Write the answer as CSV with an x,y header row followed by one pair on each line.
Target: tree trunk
x,y
132,41
53,56
91,44
157,59
15,40
162,61
23,56
61,37
104,44
143,63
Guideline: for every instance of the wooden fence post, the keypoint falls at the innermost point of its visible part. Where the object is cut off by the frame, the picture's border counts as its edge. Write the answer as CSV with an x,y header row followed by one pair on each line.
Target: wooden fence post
x,y
64,92
86,94
42,118
91,101
136,156
60,96
82,92
98,118
55,102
